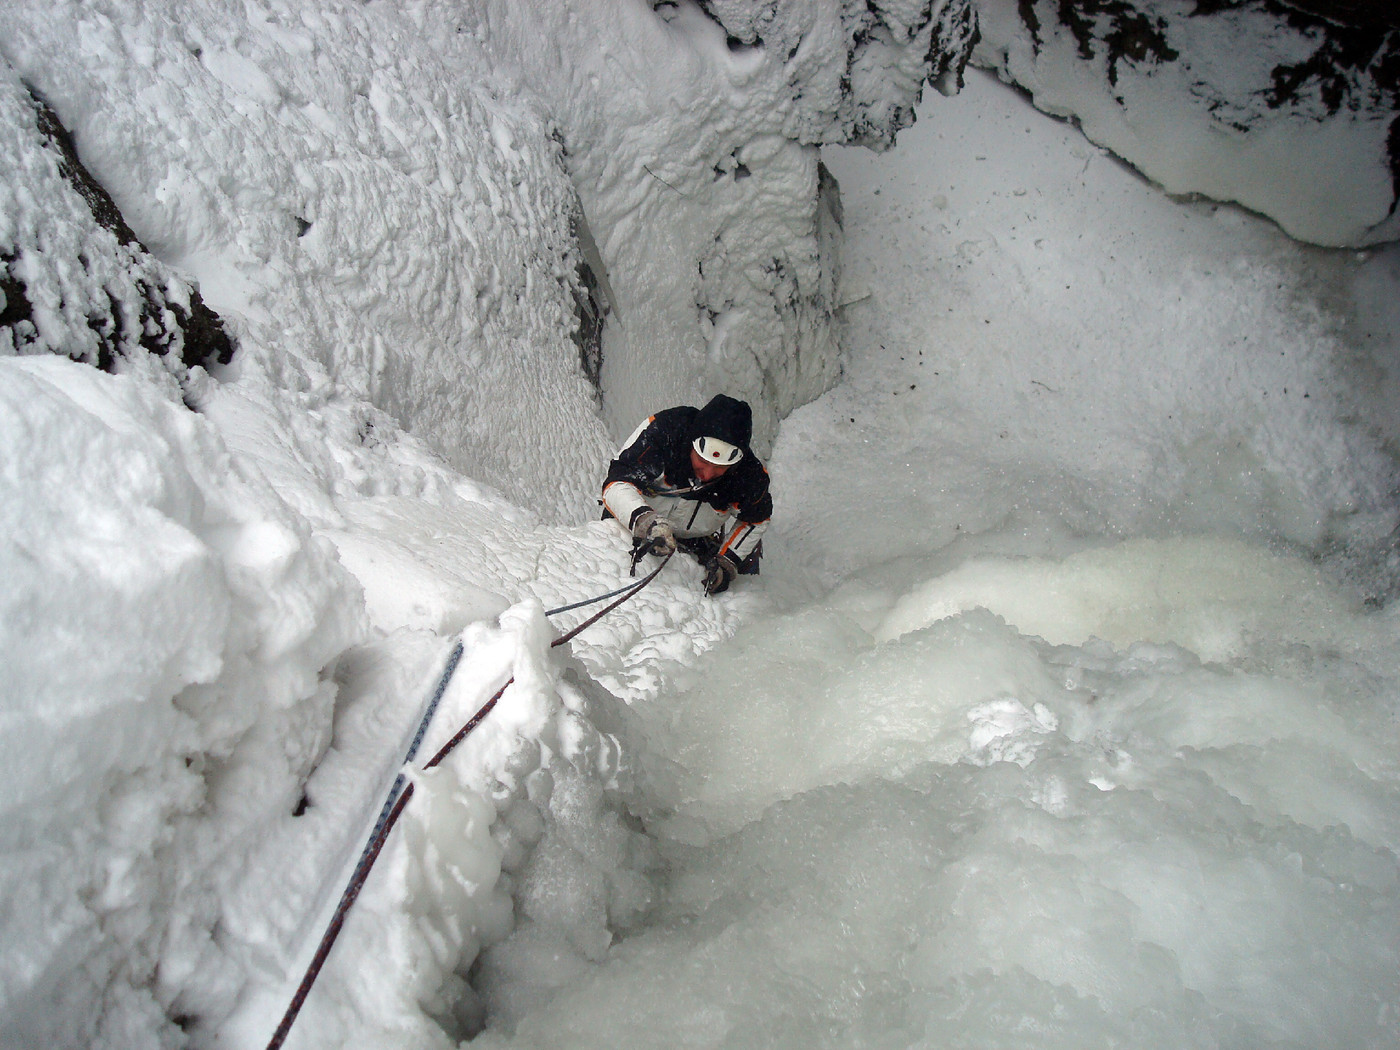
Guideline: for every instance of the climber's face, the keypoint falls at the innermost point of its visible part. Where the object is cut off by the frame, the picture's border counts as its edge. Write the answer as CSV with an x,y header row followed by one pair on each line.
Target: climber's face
x,y
705,471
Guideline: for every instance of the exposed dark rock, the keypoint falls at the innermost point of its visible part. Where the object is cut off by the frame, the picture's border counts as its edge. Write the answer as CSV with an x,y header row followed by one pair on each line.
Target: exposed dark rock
x,y
829,195
129,301
950,47
1357,61
591,313
1354,64
592,296
1372,14
1119,29
99,201
15,308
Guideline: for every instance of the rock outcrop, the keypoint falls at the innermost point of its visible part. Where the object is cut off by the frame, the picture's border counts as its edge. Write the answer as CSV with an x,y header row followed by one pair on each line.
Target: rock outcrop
x,y
74,277
1288,107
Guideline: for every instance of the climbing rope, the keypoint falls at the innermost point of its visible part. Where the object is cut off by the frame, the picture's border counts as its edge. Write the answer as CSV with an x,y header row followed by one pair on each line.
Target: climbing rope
x,y
609,608
402,791
589,601
475,719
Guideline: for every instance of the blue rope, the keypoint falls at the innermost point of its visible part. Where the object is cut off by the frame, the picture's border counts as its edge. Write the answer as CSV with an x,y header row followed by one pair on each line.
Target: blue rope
x,y
591,601
452,661
401,779
400,793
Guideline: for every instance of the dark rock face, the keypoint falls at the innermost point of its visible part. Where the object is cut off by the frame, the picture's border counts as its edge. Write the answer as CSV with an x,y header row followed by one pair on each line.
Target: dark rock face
x,y
590,315
592,296
1115,28
75,279
891,50
1356,64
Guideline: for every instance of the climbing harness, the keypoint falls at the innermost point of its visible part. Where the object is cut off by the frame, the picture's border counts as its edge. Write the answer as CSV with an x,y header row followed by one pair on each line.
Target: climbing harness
x,y
402,791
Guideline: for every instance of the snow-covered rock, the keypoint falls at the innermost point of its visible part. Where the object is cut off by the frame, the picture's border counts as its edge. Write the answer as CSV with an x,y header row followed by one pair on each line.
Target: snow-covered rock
x,y
1287,108
690,132
382,200
167,619
374,221
891,48
74,279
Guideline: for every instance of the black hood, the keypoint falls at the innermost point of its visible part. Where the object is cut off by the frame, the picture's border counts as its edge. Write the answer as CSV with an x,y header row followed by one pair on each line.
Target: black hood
x,y
726,418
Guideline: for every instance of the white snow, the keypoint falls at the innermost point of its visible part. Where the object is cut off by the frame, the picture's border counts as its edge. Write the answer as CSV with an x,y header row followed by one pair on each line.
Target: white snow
x,y
1057,717
166,620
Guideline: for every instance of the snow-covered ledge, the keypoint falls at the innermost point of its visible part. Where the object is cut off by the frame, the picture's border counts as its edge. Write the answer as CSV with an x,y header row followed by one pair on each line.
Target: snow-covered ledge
x,y
1203,101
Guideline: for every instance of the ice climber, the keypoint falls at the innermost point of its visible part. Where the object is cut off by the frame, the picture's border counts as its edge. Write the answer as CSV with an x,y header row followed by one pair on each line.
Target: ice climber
x,y
687,478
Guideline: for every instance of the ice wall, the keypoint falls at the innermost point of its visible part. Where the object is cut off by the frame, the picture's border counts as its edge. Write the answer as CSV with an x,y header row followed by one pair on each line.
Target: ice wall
x,y
1287,109
379,220
691,139
384,224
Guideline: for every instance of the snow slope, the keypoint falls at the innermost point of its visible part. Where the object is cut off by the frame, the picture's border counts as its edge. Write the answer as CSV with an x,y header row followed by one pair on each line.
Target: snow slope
x,y
1080,354
381,213
1092,744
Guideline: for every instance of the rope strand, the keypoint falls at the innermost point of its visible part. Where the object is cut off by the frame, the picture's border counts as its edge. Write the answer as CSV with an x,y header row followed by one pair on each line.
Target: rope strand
x,y
395,804
609,608
588,601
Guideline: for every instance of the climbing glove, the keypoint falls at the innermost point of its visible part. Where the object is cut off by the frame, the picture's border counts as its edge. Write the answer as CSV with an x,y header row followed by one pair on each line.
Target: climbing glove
x,y
654,531
719,573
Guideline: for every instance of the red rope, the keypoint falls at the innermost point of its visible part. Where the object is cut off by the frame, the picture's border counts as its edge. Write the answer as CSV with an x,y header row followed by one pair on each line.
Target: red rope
x,y
611,606
376,844
476,719
472,723
352,890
